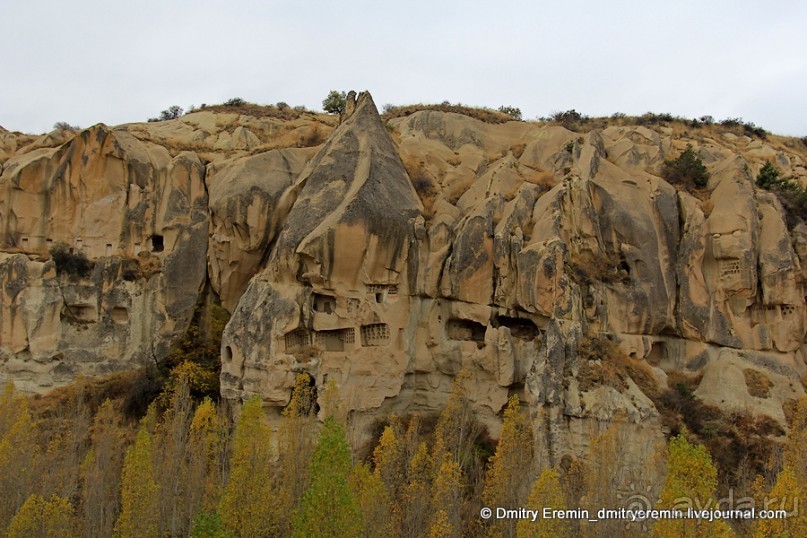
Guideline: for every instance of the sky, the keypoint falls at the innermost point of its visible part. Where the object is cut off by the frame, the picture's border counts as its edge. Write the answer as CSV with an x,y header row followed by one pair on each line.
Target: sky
x,y
87,62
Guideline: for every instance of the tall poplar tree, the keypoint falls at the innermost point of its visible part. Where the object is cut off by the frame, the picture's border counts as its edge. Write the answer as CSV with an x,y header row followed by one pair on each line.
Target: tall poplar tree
x,y
328,508
509,470
139,516
246,507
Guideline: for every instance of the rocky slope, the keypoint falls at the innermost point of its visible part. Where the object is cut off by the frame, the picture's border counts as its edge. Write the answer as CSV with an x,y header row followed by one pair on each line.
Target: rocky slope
x,y
398,256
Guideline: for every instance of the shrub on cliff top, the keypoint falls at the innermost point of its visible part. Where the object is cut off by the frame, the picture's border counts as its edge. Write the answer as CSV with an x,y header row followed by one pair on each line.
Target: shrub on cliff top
x,y
686,168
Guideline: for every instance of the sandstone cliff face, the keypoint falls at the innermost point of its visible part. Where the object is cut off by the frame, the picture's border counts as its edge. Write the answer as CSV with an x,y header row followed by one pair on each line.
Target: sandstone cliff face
x,y
135,210
398,257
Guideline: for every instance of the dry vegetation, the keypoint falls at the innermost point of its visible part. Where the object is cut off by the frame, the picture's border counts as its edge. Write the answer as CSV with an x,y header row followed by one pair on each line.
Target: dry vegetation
x,y
486,115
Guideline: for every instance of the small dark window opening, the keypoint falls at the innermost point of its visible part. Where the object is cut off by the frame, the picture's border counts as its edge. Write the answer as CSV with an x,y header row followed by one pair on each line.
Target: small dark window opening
x,y
228,353
379,297
157,244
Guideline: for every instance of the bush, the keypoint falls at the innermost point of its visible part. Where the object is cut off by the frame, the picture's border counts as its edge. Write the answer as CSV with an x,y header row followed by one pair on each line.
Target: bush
x,y
769,176
335,102
687,168
235,101
64,126
170,113
74,263
511,111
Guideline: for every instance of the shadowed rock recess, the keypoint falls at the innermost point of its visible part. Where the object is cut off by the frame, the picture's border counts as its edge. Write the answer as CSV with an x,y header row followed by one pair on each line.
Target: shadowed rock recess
x,y
397,257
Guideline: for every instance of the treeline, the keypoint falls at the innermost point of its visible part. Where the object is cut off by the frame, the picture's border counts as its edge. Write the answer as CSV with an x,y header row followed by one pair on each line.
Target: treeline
x,y
77,467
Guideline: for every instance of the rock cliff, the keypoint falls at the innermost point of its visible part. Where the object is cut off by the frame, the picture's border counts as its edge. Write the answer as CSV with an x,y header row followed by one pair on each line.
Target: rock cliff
x,y
401,255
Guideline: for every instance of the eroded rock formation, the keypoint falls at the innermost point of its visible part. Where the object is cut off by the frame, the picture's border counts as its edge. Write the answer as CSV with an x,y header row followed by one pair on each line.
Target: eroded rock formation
x,y
400,256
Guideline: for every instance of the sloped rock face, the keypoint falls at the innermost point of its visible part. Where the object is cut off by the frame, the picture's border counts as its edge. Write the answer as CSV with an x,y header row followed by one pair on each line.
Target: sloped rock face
x,y
140,214
399,257
529,245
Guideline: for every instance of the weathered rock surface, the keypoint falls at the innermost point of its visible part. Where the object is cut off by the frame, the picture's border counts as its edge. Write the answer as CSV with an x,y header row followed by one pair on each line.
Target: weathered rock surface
x,y
396,258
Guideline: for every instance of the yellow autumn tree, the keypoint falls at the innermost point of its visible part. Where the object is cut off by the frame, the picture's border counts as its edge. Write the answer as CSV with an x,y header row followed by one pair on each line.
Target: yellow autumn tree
x,y
547,492
373,501
43,519
510,467
456,429
139,516
19,454
101,472
296,443
207,433
415,496
246,508
691,481
447,500
789,492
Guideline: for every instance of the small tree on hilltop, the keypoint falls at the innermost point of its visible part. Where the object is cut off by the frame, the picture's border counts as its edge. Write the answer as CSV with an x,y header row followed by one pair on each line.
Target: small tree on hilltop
x,y
688,167
335,102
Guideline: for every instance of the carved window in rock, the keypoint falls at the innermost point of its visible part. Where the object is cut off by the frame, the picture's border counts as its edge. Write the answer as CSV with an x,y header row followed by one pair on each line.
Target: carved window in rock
x,y
378,291
376,334
119,314
324,303
788,310
463,329
334,340
520,328
297,339
729,268
83,313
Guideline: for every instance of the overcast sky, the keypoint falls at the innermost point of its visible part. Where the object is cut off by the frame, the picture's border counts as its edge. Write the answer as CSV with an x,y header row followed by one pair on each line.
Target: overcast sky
x,y
86,62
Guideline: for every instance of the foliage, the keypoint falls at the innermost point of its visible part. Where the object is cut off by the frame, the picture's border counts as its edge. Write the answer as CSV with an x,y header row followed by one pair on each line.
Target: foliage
x,y
328,493
506,481
70,261
512,111
43,519
685,169
171,113
769,175
335,102
196,358
691,478
546,491
19,454
374,502
235,101
139,491
208,525
64,126
486,115
244,507
792,196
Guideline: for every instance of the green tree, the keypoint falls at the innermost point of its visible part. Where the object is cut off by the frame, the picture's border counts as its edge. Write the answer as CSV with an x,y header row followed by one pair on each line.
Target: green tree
x,y
686,168
335,102
769,176
328,493
139,516
43,519
246,508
